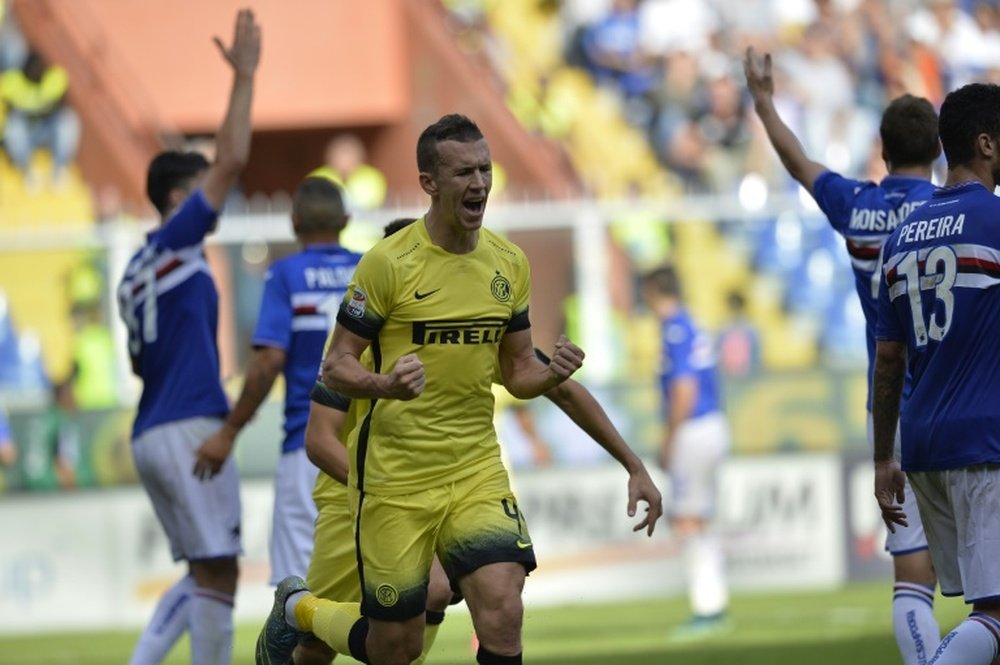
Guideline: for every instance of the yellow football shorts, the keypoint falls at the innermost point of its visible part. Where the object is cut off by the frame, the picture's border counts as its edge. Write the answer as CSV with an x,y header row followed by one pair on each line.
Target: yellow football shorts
x,y
333,568
469,523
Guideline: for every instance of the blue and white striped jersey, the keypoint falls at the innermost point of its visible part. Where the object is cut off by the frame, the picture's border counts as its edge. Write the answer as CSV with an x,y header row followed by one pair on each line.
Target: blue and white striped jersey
x,y
940,294
302,294
170,306
865,214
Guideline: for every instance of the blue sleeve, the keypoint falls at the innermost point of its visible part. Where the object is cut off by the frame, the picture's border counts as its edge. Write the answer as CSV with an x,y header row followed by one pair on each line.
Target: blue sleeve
x,y
274,323
678,340
188,225
888,327
5,435
835,196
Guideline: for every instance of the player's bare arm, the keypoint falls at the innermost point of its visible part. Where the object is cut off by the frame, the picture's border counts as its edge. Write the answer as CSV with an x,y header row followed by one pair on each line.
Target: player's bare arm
x,y
232,142
887,389
524,375
683,394
760,83
323,447
583,409
343,371
265,364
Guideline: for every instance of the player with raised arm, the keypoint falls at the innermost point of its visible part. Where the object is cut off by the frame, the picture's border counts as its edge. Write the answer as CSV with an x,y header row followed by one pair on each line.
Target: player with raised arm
x,y
865,213
939,311
440,304
169,303
302,293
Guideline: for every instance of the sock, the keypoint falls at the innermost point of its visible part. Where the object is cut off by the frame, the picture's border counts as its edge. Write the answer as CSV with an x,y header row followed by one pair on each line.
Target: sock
x,y
211,627
487,657
913,622
340,625
433,620
169,622
706,574
973,642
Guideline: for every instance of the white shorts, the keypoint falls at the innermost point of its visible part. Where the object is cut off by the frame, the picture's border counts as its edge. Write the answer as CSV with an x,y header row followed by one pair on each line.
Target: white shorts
x,y
699,448
294,516
911,538
959,508
201,517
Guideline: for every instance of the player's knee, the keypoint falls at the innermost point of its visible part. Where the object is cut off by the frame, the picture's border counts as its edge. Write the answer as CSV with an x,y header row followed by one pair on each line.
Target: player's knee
x,y
220,574
439,593
391,642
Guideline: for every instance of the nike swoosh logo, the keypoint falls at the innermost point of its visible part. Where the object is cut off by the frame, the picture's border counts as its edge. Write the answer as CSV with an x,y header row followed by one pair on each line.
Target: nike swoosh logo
x,y
523,545
420,296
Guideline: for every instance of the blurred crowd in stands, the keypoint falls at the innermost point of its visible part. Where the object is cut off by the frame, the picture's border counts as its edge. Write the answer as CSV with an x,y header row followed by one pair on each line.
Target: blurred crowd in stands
x,y
645,98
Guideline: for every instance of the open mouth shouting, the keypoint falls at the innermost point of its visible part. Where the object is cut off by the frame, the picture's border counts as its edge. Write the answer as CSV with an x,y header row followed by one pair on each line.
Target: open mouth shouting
x,y
473,207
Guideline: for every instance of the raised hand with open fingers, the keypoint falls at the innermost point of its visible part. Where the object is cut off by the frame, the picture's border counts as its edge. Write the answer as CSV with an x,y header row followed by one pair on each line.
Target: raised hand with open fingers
x,y
244,55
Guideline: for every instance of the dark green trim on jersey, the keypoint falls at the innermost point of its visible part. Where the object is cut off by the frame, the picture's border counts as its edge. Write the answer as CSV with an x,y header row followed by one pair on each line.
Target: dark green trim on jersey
x,y
366,327
325,396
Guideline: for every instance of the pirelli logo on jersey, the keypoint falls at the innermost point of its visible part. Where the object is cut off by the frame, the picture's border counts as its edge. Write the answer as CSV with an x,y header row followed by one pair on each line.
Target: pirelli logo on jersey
x,y
459,331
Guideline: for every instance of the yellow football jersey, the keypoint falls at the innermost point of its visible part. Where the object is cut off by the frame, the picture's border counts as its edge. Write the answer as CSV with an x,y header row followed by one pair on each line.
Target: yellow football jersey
x,y
452,310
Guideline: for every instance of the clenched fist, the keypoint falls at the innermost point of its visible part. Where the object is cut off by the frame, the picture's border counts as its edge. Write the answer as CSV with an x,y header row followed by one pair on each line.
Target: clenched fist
x,y
568,358
407,378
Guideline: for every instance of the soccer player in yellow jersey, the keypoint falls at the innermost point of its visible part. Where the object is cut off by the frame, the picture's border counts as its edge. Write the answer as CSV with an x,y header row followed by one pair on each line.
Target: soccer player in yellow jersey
x,y
440,304
333,570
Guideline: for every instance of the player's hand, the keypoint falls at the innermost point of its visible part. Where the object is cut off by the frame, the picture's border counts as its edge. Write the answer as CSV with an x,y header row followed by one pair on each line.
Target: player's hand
x,y
642,488
760,81
567,358
212,454
889,484
245,52
407,378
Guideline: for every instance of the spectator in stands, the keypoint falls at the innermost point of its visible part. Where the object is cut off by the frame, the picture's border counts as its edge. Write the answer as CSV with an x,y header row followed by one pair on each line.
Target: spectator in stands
x,y
50,460
95,376
614,55
345,164
8,451
39,117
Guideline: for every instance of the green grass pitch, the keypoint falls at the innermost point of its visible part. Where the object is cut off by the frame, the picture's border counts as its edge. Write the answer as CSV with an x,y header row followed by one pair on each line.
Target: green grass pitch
x,y
850,625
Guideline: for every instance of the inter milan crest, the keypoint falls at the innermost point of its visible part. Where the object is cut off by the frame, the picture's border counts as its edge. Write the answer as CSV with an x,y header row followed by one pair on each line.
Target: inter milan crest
x,y
500,288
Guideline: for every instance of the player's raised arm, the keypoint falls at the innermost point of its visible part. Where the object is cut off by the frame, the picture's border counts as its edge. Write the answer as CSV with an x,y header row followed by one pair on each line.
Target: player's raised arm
x,y
524,375
232,142
583,409
760,83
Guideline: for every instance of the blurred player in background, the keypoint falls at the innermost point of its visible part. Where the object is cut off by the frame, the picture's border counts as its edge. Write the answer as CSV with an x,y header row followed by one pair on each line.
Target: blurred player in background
x,y
333,568
865,214
169,303
939,311
695,443
302,293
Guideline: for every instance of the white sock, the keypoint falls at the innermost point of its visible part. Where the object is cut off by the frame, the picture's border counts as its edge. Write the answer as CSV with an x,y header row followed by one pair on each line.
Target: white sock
x,y
211,627
913,622
290,604
974,642
169,622
706,573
